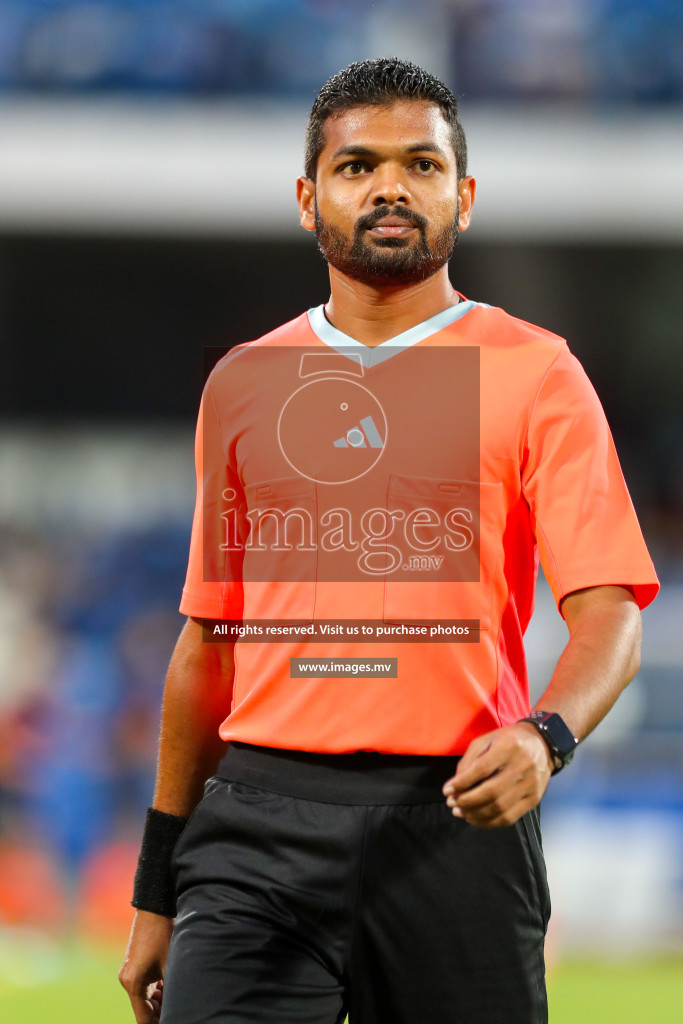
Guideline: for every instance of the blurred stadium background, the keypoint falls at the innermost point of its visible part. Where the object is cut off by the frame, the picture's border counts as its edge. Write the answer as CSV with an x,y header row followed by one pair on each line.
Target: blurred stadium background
x,y
148,152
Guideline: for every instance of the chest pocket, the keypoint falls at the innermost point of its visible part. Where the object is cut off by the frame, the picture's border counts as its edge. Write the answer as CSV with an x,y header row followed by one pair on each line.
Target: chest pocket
x,y
280,557
450,533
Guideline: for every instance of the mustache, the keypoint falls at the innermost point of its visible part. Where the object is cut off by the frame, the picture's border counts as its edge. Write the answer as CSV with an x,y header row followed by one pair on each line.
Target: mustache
x,y
369,220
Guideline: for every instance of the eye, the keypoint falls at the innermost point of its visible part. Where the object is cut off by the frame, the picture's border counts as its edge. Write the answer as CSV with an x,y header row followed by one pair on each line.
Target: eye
x,y
354,168
425,166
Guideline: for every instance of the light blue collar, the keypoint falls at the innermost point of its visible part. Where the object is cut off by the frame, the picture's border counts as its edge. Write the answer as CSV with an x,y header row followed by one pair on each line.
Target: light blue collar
x,y
372,355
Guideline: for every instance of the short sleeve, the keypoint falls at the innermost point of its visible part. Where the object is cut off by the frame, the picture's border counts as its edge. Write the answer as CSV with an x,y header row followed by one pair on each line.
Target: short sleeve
x,y
213,586
581,512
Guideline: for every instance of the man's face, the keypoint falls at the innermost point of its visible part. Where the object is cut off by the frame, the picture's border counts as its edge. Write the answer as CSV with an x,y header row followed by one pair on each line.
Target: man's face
x,y
386,194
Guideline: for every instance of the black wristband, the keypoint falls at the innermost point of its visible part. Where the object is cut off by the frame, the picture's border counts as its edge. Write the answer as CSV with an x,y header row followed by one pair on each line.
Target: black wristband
x,y
153,888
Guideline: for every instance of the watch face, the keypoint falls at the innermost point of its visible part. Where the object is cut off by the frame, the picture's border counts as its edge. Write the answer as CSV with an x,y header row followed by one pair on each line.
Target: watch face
x,y
557,735
562,739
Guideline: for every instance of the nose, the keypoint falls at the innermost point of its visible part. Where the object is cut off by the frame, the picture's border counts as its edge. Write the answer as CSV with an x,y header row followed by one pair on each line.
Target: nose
x,y
389,185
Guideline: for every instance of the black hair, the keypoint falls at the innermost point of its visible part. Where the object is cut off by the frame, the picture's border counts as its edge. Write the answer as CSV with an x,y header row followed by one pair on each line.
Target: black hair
x,y
382,80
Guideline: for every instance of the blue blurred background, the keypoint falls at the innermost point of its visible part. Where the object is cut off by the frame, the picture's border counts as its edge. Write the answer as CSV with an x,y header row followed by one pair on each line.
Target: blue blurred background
x,y
582,50
148,152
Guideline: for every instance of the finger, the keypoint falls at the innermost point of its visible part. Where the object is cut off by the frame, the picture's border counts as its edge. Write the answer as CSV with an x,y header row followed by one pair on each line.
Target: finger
x,y
492,760
505,780
507,818
143,1009
157,999
502,809
145,1000
494,801
476,748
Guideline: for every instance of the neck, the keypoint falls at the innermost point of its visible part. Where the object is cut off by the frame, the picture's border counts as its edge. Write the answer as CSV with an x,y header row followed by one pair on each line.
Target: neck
x,y
372,315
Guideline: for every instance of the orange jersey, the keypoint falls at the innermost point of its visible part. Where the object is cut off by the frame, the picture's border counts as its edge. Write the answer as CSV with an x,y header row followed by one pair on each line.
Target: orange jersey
x,y
418,481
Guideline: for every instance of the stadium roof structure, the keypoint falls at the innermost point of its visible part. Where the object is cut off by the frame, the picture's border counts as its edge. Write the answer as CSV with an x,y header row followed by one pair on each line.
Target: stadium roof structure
x,y
545,173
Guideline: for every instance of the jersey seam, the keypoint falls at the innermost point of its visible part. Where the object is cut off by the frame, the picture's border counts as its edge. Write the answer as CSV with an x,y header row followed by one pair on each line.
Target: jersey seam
x,y
224,582
209,392
539,526
542,533
497,650
536,397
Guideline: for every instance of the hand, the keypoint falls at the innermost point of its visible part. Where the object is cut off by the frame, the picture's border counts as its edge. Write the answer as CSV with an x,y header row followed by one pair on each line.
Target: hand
x,y
500,777
143,965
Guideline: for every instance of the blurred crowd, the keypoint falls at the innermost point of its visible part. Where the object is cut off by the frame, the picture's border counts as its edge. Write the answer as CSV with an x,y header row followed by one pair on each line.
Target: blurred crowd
x,y
581,50
87,625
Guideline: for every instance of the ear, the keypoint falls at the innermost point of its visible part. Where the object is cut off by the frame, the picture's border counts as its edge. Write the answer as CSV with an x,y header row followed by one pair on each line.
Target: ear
x,y
305,194
466,190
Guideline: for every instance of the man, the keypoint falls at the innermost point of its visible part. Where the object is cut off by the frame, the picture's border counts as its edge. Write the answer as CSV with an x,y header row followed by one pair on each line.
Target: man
x,y
369,844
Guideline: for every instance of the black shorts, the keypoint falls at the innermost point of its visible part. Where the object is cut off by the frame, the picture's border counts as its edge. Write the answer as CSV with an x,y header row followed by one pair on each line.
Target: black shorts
x,y
315,886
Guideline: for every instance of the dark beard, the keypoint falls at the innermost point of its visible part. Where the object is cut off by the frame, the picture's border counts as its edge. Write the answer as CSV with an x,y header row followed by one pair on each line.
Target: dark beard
x,y
386,261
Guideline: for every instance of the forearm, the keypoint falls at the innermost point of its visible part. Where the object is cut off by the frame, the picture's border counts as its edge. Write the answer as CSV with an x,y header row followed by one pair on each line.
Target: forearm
x,y
197,695
600,659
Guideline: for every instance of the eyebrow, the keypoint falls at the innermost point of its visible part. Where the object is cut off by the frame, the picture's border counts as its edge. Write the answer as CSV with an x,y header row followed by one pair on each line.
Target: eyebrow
x,y
427,147
418,147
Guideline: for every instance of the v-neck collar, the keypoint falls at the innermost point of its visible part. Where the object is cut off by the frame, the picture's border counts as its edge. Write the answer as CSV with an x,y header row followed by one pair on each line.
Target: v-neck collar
x,y
372,355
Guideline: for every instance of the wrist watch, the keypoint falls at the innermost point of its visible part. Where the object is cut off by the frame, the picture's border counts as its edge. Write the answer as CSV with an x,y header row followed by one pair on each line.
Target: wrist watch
x,y
557,735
